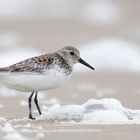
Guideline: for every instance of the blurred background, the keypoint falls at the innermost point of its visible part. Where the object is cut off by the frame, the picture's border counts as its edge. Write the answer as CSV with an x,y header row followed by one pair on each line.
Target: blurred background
x,y
107,32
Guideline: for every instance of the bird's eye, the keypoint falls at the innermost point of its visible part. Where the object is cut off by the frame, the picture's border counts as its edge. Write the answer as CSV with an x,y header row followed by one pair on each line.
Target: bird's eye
x,y
71,53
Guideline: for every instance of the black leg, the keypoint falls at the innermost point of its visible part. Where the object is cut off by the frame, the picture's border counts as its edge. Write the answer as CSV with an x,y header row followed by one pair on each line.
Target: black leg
x,y
30,105
36,102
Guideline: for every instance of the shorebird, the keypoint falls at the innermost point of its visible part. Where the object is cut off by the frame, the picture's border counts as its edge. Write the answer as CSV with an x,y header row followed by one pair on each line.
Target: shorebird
x,y
41,73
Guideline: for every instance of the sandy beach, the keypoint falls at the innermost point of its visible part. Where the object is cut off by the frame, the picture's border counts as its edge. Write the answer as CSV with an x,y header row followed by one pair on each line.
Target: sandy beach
x,y
110,31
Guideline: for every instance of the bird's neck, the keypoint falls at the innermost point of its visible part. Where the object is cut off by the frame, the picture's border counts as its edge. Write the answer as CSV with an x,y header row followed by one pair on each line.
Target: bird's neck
x,y
67,66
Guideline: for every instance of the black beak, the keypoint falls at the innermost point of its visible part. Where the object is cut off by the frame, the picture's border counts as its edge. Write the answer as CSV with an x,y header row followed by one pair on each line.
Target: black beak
x,y
85,63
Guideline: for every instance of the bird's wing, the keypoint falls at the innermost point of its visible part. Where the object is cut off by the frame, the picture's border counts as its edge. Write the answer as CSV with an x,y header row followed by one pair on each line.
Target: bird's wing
x,y
34,64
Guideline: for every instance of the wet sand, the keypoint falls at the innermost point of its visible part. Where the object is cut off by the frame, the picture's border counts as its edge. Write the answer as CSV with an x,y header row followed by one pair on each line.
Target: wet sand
x,y
68,131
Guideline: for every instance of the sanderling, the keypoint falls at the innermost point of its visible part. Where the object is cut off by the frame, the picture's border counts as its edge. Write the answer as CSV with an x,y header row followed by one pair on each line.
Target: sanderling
x,y
41,73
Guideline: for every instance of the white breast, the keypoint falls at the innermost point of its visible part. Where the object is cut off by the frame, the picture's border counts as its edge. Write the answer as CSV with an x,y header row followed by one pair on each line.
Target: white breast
x,y
33,81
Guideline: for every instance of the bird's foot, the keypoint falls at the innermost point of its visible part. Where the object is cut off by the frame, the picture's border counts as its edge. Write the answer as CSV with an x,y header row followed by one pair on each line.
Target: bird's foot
x,y
32,118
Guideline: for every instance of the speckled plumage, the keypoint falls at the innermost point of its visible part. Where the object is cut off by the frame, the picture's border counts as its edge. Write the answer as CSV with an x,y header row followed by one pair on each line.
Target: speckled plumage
x,y
39,64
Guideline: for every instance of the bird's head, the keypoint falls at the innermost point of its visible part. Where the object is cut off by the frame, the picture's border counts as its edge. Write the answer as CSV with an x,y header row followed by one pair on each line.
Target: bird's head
x,y
72,56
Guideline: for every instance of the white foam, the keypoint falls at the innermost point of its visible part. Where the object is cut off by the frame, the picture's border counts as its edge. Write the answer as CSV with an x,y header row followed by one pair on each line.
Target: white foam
x,y
14,136
11,133
2,119
111,54
104,111
8,128
58,112
40,135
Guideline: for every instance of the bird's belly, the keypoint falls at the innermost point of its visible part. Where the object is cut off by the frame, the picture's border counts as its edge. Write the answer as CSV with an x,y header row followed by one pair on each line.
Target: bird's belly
x,y
33,82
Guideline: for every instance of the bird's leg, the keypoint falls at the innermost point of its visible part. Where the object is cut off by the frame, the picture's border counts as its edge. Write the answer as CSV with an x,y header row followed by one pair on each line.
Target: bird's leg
x,y
30,106
36,102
